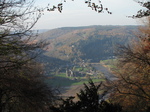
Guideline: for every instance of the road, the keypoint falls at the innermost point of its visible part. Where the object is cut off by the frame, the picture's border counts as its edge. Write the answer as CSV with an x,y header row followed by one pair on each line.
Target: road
x,y
108,75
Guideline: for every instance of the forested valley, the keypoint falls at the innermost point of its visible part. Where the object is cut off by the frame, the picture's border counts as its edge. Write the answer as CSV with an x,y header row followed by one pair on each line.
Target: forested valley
x,y
91,43
99,68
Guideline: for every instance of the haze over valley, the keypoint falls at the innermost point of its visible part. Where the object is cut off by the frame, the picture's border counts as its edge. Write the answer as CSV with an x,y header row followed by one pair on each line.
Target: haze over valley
x,y
73,50
74,56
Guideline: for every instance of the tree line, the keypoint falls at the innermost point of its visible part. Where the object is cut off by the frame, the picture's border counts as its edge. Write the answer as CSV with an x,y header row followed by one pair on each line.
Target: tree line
x,y
22,85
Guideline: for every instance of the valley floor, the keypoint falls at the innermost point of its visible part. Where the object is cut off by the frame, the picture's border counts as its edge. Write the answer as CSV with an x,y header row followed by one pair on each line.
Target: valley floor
x,y
73,90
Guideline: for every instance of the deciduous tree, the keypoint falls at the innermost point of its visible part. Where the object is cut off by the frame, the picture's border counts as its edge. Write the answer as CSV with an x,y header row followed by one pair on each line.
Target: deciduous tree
x,y
143,12
132,89
22,87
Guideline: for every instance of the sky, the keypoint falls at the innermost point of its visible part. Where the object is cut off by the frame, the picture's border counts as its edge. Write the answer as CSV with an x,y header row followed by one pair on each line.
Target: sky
x,y
77,13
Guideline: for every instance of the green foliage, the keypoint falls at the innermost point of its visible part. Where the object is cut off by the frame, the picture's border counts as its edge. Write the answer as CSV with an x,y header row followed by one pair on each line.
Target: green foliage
x,y
84,69
61,75
89,101
89,94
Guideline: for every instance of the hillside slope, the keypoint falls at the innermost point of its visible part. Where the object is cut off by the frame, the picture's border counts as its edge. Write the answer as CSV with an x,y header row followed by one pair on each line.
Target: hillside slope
x,y
87,43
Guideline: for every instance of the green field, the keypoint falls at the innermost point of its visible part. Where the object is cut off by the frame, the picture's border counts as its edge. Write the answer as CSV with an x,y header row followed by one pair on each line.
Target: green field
x,y
87,80
61,80
110,63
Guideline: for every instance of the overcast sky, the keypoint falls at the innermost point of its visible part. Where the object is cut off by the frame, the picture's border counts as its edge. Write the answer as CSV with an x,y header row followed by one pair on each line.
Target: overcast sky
x,y
78,14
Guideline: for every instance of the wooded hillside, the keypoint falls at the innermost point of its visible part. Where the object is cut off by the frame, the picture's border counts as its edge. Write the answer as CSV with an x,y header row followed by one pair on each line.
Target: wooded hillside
x,y
92,43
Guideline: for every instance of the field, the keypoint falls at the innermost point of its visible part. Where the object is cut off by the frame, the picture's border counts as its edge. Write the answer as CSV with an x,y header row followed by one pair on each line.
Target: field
x,y
61,80
69,86
110,63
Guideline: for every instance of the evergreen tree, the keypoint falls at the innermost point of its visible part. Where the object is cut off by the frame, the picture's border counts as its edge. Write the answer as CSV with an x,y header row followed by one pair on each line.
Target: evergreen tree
x,y
89,101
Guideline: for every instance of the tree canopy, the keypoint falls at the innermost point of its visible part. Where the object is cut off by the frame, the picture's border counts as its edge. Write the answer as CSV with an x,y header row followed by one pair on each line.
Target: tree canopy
x,y
96,6
131,90
143,13
99,7
89,100
22,87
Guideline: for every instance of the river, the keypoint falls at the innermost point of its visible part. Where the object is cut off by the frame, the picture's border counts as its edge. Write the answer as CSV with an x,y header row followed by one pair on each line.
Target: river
x,y
108,75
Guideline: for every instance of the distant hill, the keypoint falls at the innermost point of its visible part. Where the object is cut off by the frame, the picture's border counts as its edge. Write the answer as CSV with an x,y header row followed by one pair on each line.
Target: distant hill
x,y
39,31
92,43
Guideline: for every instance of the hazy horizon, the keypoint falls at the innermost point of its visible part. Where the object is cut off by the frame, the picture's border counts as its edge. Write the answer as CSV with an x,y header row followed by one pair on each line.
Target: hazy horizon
x,y
78,14
82,26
